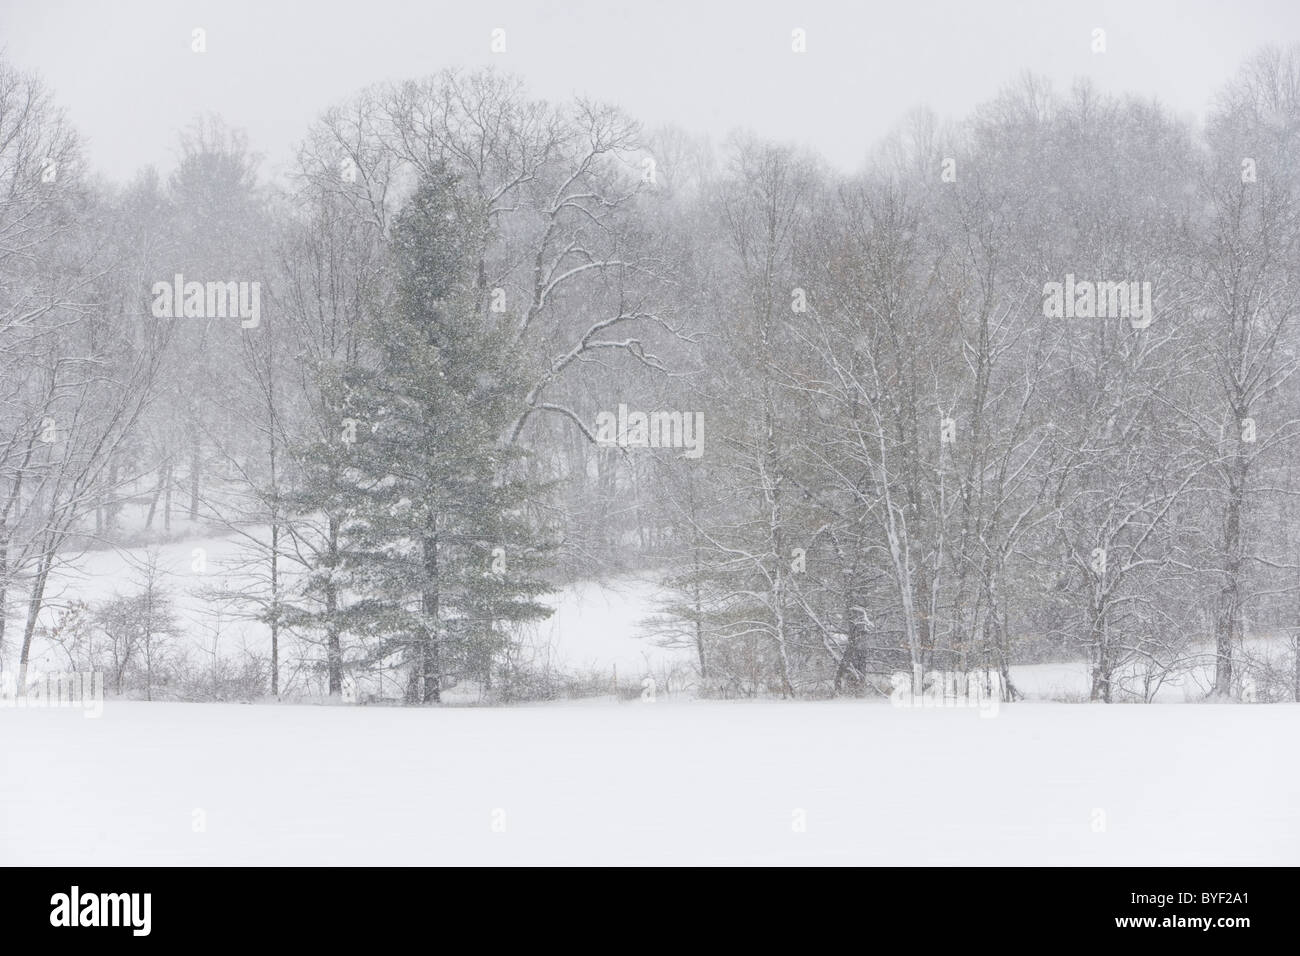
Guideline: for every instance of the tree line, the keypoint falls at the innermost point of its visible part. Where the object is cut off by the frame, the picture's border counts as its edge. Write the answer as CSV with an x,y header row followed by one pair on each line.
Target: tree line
x,y
915,417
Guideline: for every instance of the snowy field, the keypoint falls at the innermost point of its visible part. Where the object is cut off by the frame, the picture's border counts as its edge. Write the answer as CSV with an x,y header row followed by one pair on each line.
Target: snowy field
x,y
596,627
673,782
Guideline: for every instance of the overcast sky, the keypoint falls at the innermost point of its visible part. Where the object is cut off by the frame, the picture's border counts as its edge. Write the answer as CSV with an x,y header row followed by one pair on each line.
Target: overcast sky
x,y
129,81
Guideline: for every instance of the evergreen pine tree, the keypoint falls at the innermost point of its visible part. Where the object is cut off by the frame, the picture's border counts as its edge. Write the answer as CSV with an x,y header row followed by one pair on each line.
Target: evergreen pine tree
x,y
439,549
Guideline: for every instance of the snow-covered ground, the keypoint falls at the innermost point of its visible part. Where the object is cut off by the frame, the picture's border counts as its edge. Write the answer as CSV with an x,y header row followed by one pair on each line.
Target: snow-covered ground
x,y
192,571
671,782
596,626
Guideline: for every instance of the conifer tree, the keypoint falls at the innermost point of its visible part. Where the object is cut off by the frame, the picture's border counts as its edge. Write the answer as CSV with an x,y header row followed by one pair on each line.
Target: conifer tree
x,y
439,549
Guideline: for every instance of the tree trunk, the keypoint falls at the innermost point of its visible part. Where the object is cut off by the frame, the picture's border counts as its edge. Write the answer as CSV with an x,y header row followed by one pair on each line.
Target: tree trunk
x,y
333,650
1228,631
196,459
4,593
275,562
430,662
1295,646
34,605
112,507
163,478
167,500
699,621
275,607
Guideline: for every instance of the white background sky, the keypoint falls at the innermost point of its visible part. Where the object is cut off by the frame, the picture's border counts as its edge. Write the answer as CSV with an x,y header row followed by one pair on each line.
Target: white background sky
x,y
129,82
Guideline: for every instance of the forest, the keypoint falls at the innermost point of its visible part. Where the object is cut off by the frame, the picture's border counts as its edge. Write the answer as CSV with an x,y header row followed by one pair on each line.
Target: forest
x,y
1021,389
